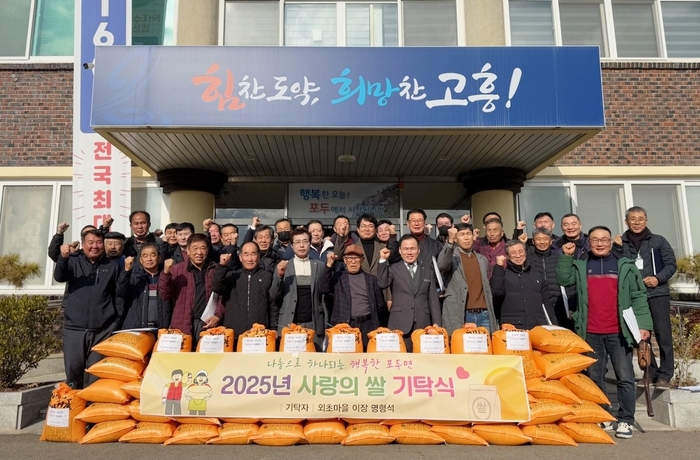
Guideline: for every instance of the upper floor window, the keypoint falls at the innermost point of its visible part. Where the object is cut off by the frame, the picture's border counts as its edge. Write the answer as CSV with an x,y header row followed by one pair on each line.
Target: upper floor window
x,y
621,28
327,23
36,28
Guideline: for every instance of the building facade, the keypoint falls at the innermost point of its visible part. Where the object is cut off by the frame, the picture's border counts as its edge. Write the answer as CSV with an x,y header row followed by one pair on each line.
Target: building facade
x,y
647,154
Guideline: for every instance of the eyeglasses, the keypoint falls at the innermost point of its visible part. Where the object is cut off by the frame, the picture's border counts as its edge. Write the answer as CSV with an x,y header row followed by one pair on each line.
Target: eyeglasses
x,y
600,240
300,242
636,221
416,221
352,258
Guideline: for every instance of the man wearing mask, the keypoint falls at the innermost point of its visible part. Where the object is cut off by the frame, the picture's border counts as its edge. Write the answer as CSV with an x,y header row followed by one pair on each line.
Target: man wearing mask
x,y
188,285
656,260
245,292
606,287
443,222
413,289
358,298
283,229
91,311
140,223
468,296
297,284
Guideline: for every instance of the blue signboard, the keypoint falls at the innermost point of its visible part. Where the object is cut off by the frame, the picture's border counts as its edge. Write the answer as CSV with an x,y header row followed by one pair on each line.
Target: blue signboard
x,y
347,87
102,23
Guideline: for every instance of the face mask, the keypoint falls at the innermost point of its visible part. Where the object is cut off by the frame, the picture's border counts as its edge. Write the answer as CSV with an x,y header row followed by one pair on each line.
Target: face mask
x,y
443,230
283,236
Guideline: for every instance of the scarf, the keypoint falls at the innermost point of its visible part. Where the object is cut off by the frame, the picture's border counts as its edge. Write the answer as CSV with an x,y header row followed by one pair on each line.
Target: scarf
x,y
637,238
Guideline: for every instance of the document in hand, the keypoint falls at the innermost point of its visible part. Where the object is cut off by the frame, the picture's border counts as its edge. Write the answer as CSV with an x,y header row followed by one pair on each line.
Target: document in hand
x,y
441,282
632,324
210,309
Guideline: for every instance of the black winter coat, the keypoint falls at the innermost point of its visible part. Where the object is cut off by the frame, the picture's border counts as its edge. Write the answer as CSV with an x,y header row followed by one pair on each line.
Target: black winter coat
x,y
524,291
659,260
245,295
135,292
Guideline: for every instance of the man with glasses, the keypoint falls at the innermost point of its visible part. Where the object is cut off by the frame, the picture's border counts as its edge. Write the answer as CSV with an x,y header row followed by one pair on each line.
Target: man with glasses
x,y
298,287
656,260
607,286
358,298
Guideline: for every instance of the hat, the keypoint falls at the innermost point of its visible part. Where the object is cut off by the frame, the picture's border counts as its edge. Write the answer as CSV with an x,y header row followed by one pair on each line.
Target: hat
x,y
114,236
354,249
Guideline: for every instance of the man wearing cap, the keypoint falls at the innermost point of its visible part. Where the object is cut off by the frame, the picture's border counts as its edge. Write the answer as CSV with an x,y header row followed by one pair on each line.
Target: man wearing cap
x,y
358,299
114,246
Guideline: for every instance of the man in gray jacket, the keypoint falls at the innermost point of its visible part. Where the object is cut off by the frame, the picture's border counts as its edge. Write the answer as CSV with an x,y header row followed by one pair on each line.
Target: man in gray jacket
x,y
297,284
468,292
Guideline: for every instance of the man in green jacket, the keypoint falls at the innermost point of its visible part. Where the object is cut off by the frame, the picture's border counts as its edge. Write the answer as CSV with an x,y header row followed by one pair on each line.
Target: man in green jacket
x,y
607,286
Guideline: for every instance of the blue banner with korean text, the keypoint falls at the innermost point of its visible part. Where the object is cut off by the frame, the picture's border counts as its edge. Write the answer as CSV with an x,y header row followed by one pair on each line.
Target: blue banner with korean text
x,y
347,87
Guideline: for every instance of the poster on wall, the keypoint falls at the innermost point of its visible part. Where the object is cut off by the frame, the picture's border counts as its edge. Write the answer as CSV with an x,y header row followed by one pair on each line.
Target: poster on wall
x,y
318,201
101,173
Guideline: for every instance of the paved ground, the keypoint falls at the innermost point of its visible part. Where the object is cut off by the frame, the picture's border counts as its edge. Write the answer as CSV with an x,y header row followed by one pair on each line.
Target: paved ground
x,y
677,445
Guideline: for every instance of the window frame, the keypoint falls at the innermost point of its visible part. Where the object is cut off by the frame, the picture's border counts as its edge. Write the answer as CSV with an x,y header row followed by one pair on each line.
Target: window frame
x,y
609,38
686,241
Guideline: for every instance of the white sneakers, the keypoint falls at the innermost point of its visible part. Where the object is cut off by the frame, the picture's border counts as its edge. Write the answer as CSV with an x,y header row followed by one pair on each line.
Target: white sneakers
x,y
624,430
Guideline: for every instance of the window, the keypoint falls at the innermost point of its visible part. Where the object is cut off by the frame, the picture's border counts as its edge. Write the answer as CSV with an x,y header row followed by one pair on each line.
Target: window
x,y
536,199
634,29
663,212
682,28
621,28
152,22
252,23
601,205
693,198
36,28
330,23
149,199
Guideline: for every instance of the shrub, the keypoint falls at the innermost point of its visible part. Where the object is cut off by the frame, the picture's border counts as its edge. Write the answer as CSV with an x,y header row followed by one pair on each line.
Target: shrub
x,y
25,335
685,339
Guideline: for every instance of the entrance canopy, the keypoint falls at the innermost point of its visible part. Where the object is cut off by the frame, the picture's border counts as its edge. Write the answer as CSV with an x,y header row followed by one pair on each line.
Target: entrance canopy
x,y
278,113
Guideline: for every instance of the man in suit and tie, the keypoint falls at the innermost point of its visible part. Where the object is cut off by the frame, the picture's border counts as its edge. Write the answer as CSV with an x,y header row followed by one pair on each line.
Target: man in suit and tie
x,y
298,285
358,298
413,289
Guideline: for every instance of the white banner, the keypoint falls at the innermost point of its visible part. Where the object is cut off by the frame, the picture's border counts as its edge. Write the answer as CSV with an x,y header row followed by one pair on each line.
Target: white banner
x,y
101,173
318,201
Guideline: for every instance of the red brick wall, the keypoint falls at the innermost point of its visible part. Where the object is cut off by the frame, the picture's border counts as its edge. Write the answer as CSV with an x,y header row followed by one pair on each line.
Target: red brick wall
x,y
36,113
652,113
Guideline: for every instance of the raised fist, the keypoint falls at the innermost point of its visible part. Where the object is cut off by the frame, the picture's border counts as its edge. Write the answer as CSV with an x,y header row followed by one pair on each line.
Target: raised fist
x,y
107,222
158,233
569,249
224,259
128,263
501,260
428,228
521,225
74,247
451,234
65,250
476,233
255,222
522,237
167,265
62,227
392,229
330,259
617,240
206,224
281,268
465,219
384,254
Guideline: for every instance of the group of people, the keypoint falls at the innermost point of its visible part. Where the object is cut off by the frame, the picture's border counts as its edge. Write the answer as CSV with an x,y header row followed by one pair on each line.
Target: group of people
x,y
371,277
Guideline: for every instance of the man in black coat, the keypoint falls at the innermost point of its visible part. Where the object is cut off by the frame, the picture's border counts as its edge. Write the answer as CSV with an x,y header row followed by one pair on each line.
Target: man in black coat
x,y
358,299
91,313
244,291
656,260
526,299
140,223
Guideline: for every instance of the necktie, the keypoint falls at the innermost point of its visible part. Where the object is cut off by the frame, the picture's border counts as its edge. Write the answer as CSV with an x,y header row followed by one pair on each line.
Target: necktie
x,y
412,270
